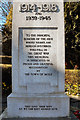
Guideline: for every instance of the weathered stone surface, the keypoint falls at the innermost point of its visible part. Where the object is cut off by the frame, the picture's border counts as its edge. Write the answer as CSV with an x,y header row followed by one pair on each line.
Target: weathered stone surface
x,y
38,60
38,106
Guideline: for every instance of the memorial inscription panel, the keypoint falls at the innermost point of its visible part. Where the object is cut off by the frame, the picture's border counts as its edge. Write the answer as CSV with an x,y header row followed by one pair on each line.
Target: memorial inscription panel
x,y
38,55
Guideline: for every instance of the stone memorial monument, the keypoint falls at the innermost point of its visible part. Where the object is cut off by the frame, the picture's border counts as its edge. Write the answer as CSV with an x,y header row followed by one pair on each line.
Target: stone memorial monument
x,y
38,60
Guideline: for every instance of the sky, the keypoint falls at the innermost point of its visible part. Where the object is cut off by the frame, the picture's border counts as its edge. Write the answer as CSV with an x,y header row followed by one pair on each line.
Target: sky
x,y
4,10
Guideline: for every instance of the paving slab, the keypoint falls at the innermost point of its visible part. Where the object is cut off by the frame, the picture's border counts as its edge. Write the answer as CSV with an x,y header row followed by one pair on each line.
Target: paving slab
x,y
36,119
4,117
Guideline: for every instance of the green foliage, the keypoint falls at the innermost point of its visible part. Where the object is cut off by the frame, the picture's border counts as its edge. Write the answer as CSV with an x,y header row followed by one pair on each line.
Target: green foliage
x,y
72,81
72,33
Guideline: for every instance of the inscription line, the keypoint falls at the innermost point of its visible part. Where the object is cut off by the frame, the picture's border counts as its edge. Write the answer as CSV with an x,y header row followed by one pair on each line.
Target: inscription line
x,y
46,28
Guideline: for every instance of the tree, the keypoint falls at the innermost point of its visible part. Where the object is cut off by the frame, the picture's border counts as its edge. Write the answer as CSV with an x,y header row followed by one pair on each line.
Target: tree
x,y
7,34
4,10
72,33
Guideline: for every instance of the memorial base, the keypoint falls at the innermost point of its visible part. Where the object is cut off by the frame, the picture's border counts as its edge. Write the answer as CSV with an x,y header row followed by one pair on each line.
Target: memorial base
x,y
34,105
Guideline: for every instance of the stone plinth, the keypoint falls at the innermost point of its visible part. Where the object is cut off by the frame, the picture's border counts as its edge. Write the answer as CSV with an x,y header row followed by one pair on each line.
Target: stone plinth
x,y
38,105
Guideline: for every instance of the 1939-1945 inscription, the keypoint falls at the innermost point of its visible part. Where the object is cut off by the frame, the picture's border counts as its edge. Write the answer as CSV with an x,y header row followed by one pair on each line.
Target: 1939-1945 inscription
x,y
38,10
